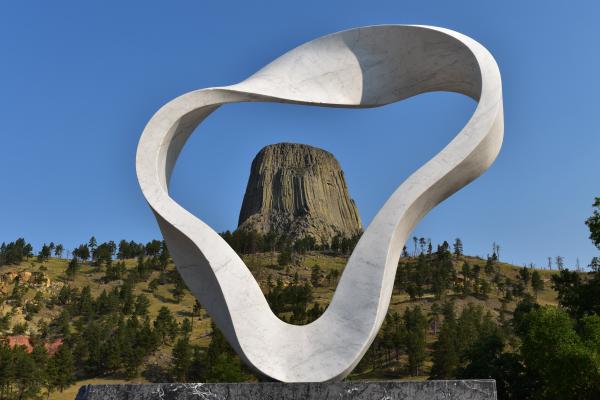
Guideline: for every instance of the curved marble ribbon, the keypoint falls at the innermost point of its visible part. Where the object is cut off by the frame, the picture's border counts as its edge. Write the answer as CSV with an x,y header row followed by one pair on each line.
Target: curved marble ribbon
x,y
362,67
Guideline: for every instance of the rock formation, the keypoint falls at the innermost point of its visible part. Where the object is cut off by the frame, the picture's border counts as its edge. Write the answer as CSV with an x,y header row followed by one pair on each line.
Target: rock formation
x,y
298,190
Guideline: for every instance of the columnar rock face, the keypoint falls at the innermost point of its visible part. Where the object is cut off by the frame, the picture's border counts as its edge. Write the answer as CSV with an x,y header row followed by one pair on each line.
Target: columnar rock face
x,y
298,190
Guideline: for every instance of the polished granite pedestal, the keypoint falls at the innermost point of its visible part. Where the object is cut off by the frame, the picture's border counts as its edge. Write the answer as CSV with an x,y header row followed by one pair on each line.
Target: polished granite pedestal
x,y
380,390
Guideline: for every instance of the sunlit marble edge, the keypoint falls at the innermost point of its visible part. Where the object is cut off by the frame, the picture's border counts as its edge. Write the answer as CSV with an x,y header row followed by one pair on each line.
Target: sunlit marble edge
x,y
362,67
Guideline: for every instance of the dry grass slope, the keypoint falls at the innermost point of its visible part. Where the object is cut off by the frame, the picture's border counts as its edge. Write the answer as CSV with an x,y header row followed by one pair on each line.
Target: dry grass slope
x,y
262,265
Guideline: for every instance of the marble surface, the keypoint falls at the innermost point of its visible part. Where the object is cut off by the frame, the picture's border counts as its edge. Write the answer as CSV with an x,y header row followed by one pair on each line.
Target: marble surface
x,y
386,390
362,67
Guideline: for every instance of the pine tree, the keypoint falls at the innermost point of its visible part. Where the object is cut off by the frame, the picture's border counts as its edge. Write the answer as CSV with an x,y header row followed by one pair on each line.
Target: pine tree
x,y
148,339
221,364
458,247
179,289
225,368
446,356
404,252
44,253
186,327
196,371
72,268
593,223
111,350
181,359
524,275
490,266
197,311
86,302
416,328
82,252
92,244
25,376
142,304
58,250
62,368
6,368
40,358
537,284
132,353
165,325
126,297
90,347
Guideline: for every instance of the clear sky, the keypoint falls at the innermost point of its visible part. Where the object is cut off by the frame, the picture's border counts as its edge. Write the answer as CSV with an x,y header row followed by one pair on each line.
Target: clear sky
x,y
78,82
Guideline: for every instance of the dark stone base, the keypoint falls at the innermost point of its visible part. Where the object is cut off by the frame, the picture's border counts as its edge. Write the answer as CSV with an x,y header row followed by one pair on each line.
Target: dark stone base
x,y
383,390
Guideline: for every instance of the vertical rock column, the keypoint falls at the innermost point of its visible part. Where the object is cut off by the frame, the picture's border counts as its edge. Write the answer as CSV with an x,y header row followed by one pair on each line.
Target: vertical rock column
x,y
298,190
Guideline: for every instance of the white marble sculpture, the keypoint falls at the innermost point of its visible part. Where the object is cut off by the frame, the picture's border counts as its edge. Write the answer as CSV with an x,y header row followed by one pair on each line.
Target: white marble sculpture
x,y
363,67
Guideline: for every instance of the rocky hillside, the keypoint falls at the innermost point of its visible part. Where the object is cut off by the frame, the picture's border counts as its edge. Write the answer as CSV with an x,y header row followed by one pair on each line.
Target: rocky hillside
x,y
298,190
140,317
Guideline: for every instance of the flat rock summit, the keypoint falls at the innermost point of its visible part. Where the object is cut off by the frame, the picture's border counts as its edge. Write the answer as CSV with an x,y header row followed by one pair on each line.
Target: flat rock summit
x,y
298,190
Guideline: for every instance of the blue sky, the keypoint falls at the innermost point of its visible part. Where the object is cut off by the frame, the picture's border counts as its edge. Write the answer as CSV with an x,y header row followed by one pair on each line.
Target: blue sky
x,y
79,80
